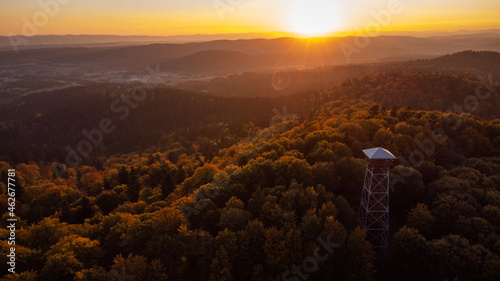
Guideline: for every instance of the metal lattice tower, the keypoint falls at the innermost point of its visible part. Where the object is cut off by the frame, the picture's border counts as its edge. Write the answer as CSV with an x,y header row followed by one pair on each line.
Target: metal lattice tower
x,y
374,208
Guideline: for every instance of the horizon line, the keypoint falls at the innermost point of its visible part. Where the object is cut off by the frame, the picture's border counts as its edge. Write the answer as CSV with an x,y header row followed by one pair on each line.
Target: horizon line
x,y
296,35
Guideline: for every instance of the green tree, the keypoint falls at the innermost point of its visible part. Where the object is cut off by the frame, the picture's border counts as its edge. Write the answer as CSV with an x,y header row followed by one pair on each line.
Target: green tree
x,y
328,209
233,216
475,229
150,195
133,186
77,211
421,219
429,171
289,168
453,256
107,201
275,251
359,257
447,209
256,236
311,225
221,266
123,175
492,215
410,254
63,265
335,230
271,212
408,192
351,183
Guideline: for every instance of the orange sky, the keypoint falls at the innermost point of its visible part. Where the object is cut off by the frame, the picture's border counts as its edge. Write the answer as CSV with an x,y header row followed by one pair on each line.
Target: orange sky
x,y
305,17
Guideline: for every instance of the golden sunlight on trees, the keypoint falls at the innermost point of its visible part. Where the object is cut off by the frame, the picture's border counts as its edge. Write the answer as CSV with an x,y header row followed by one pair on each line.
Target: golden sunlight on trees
x,y
210,208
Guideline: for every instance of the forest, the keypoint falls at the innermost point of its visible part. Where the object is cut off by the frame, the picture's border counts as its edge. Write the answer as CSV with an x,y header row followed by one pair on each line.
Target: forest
x,y
195,186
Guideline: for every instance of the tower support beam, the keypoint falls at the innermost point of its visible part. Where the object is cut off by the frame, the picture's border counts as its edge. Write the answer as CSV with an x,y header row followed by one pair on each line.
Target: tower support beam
x,y
374,207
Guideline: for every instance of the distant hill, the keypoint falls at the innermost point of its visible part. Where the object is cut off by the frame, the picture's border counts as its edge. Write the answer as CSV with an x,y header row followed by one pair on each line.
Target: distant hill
x,y
308,64
84,40
214,61
484,60
434,84
471,57
87,40
469,64
284,52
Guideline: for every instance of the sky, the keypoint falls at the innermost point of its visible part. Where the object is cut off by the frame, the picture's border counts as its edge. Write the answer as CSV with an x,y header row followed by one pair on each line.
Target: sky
x,y
302,17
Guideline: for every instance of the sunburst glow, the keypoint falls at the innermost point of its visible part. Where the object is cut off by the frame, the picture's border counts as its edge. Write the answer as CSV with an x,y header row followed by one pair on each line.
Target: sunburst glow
x,y
314,17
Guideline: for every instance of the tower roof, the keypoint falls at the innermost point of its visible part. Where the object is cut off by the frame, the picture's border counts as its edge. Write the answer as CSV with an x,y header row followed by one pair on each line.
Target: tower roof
x,y
378,153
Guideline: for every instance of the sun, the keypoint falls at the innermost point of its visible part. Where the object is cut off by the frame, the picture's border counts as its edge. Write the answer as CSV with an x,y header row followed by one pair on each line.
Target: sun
x,y
314,17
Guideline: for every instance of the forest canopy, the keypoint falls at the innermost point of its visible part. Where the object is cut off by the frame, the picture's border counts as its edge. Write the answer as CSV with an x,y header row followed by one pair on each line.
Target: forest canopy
x,y
199,187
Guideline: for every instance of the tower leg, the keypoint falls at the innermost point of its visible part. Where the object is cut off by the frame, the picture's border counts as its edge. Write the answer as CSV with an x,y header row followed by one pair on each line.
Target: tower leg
x,y
374,207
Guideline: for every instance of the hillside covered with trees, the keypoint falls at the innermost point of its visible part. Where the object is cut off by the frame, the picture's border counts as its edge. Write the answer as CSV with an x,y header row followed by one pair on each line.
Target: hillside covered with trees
x,y
199,187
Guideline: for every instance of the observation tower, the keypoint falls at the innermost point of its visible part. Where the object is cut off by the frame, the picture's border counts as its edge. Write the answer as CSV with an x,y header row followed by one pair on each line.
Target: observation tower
x,y
374,208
